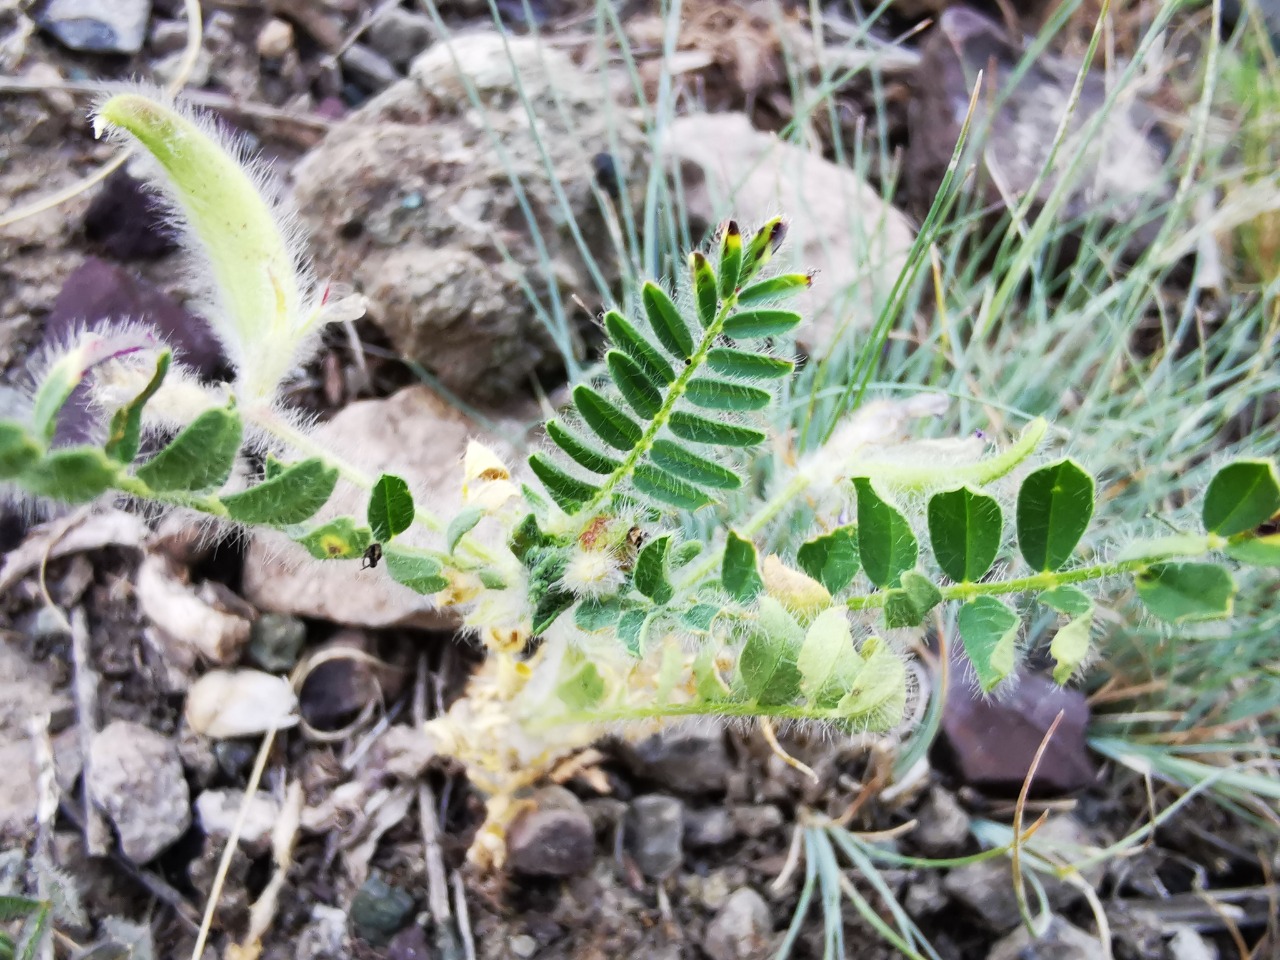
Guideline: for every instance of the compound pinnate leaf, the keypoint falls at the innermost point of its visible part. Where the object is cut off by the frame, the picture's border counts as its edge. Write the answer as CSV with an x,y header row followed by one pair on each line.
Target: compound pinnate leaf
x,y
1186,592
775,288
667,488
753,324
420,573
609,423
704,288
391,508
1241,496
580,452
565,489
650,576
677,460
292,496
767,671
1070,647
747,365
342,538
730,258
669,327
461,525
1055,505
726,395
886,544
18,450
698,429
828,662
71,474
831,559
200,457
634,384
125,435
989,630
908,604
740,572
633,343
965,528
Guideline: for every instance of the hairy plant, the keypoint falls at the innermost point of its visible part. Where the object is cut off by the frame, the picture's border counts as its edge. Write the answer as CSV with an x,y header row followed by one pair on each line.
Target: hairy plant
x,y
653,571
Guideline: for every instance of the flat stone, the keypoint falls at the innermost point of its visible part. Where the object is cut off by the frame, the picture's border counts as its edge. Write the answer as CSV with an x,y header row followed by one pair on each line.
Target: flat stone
x,y
368,68
1059,941
943,825
655,834
555,838
217,811
97,26
989,743
400,35
839,225
742,929
135,778
686,758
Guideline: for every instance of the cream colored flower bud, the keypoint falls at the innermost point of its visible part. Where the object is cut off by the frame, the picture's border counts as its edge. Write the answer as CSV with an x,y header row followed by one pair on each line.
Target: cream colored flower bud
x,y
796,591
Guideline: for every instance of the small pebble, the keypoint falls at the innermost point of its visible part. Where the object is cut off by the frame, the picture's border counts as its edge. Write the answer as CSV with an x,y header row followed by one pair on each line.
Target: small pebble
x,y
741,929
275,641
379,910
553,839
707,828
655,834
136,779
523,946
275,39
367,69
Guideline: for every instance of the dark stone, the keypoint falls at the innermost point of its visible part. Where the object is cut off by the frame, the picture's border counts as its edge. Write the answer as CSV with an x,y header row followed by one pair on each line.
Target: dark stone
x,y
554,839
655,834
688,759
379,910
128,221
707,828
989,744
410,944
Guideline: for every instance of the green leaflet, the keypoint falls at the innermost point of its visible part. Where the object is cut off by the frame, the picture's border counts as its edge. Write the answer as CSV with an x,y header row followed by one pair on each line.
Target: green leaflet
x,y
739,572
583,689
1256,551
125,434
71,474
634,384
775,288
1068,600
291,496
726,395
342,538
565,489
730,258
650,575
699,429
1070,647
747,365
828,662
669,327
878,695
420,573
609,423
1241,496
754,324
580,452
761,248
667,488
200,457
678,461
989,629
965,528
461,525
886,544
631,342
909,604
704,288
685,552
633,631
1187,592
592,616
391,508
18,450
767,671
1055,505
831,559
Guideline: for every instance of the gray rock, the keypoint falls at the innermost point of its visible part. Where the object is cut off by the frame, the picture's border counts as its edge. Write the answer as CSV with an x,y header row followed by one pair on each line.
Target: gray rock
x,y
275,641
379,910
400,35
707,828
1186,944
98,26
756,820
218,810
943,825
925,895
687,758
135,778
1060,941
368,68
418,182
741,930
324,937
554,839
655,834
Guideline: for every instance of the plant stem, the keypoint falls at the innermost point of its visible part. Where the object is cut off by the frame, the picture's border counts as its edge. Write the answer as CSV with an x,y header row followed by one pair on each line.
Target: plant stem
x,y
697,708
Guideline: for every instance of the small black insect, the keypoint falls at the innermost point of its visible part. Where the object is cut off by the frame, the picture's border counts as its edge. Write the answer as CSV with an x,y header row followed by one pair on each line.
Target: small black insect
x,y
607,175
371,556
